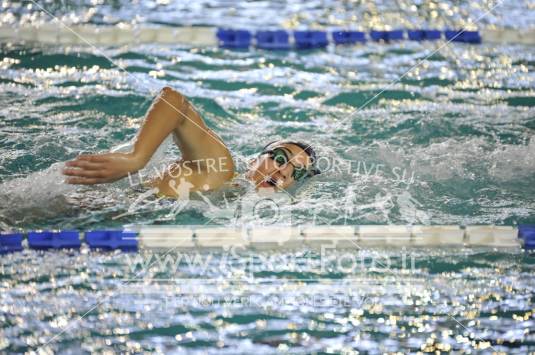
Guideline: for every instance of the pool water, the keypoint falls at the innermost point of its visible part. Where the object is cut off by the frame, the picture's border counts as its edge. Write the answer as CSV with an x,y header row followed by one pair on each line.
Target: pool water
x,y
385,301
451,141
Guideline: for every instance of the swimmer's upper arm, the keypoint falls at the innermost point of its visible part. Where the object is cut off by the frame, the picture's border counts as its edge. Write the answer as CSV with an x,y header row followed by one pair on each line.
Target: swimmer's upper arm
x,y
179,105
172,112
196,140
169,112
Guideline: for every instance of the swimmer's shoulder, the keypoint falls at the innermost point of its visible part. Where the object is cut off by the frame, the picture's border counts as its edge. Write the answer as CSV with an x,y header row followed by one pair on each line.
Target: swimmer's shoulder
x,y
170,186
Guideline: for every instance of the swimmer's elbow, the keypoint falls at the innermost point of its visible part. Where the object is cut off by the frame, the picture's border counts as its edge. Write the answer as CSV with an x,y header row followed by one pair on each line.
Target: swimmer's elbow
x,y
170,93
173,98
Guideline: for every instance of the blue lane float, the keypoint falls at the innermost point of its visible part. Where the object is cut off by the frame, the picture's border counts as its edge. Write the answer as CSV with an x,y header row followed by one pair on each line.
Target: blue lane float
x,y
432,35
463,36
310,39
273,40
424,35
236,39
280,39
386,36
526,232
111,240
349,37
10,243
43,240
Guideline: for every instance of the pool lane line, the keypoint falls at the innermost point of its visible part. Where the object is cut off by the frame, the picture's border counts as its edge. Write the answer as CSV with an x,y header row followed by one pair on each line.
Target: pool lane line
x,y
133,239
263,39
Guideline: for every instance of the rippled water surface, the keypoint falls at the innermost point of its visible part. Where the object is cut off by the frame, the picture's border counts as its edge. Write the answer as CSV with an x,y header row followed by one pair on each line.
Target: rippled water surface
x,y
450,141
269,302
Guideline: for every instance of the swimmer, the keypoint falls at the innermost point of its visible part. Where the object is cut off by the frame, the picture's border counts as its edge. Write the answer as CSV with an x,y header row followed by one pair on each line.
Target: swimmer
x,y
206,162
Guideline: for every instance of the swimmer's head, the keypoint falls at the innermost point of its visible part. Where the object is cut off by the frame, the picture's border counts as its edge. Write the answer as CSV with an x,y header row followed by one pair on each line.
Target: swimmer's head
x,y
283,163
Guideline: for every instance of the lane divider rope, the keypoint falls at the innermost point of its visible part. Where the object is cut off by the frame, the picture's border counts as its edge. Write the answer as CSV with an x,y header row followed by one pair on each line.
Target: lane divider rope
x,y
272,39
184,237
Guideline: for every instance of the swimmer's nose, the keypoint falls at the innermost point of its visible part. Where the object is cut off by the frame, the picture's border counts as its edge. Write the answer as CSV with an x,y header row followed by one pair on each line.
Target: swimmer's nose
x,y
283,171
278,176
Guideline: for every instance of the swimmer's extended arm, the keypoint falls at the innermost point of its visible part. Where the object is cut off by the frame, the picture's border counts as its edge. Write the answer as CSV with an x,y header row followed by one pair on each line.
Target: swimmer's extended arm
x,y
169,112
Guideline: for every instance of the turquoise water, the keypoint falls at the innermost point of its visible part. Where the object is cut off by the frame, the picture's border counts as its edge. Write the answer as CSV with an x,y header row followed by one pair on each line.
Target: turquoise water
x,y
469,301
450,142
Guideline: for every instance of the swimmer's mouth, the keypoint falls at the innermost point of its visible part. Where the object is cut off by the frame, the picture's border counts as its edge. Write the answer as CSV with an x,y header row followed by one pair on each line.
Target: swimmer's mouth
x,y
269,182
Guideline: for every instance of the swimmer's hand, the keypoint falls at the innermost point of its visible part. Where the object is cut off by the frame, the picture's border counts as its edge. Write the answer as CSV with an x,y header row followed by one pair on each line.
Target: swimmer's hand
x,y
90,169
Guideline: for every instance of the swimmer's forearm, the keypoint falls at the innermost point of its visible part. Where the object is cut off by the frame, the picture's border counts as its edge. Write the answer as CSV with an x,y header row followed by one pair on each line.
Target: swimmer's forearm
x,y
166,114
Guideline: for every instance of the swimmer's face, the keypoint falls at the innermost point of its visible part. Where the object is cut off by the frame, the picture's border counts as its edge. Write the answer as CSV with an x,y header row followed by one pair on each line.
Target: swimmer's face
x,y
273,170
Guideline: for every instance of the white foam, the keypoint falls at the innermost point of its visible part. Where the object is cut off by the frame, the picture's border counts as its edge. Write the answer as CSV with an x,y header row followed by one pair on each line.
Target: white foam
x,y
39,194
513,161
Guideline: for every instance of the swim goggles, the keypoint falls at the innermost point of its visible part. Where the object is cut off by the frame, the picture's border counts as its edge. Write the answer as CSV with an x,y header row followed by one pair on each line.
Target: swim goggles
x,y
280,157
